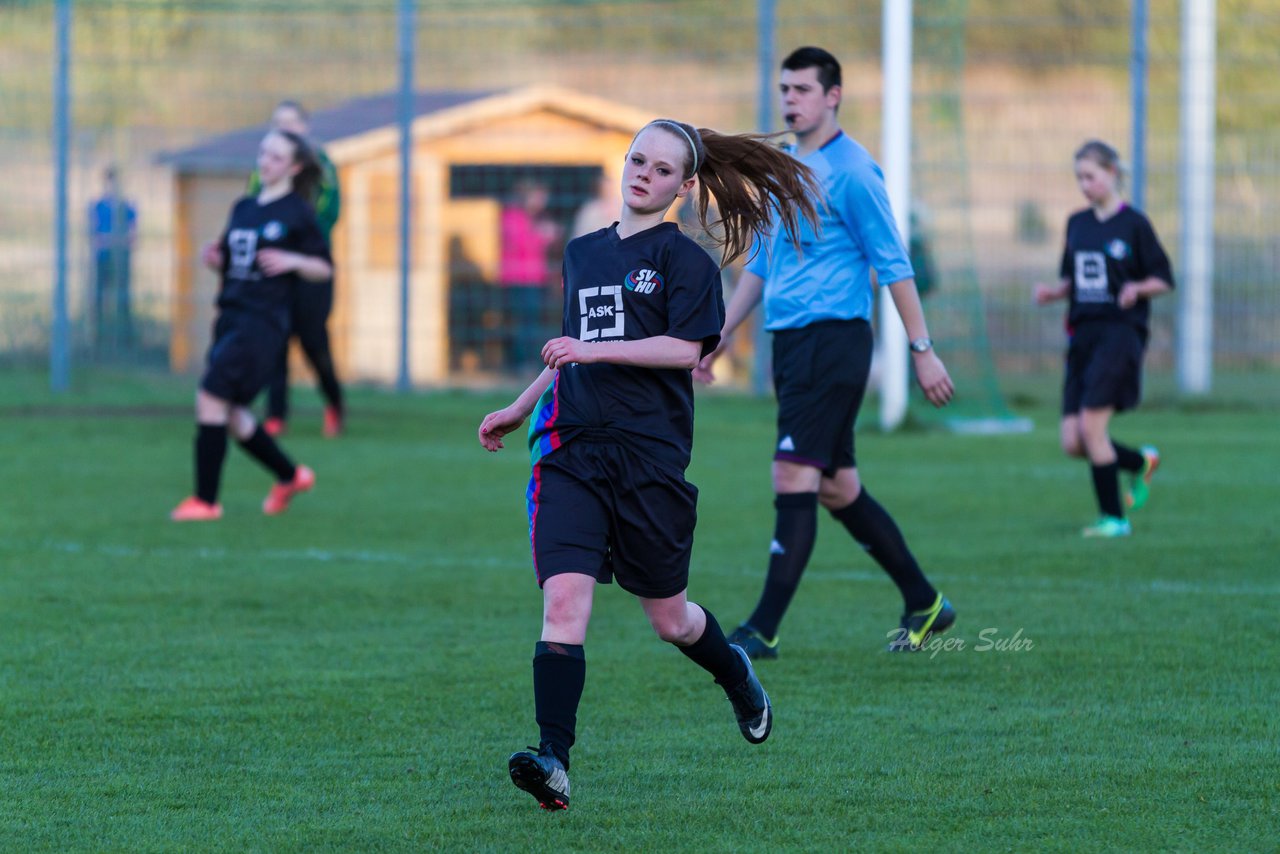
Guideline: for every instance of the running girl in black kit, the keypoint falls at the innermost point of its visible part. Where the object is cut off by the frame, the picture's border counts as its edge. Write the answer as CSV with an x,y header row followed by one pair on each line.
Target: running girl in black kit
x,y
613,422
1112,265
271,246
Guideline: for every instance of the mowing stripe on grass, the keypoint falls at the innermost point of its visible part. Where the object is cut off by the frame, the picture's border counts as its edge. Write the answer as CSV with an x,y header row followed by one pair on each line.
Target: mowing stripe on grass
x,y
364,556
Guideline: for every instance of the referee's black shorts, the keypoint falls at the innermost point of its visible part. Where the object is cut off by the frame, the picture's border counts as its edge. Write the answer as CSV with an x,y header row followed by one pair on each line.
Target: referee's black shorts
x,y
820,377
1104,367
246,350
597,508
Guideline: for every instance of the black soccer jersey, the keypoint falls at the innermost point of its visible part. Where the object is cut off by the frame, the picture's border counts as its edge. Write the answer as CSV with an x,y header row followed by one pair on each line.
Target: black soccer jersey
x,y
286,223
657,282
1100,257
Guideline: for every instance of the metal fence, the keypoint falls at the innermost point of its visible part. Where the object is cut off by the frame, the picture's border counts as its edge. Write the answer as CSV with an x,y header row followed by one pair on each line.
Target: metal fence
x,y
1003,95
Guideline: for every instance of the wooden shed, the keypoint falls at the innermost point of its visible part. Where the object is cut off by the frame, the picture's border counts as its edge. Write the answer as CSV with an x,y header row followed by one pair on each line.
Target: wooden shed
x,y
468,149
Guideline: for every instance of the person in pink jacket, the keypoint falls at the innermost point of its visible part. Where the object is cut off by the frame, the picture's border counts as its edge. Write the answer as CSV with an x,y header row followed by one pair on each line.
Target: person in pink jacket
x,y
524,271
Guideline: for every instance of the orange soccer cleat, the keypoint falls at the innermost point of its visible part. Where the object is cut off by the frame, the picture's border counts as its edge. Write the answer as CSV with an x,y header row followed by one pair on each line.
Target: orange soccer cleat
x,y
332,422
277,500
193,509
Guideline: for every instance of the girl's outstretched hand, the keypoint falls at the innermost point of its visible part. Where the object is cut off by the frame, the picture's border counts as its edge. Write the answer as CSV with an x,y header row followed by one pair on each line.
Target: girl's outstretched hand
x,y
211,255
495,425
1044,294
705,372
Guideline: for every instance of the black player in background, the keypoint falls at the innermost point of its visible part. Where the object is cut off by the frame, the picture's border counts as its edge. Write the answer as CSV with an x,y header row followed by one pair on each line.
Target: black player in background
x,y
613,422
271,245
309,314
1112,265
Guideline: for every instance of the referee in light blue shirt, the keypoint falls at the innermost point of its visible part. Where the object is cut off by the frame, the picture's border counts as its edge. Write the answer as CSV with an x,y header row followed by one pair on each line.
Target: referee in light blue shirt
x,y
817,303
828,277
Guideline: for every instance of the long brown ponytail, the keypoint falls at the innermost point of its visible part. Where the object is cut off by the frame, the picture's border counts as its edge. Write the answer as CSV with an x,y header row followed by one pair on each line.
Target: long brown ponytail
x,y
750,179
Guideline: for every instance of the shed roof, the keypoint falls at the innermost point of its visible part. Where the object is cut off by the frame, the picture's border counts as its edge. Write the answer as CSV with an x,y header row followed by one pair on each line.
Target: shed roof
x,y
370,122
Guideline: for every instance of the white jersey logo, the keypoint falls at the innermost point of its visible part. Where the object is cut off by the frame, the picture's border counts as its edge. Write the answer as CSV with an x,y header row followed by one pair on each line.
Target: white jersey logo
x,y
644,281
243,243
600,313
786,444
1091,277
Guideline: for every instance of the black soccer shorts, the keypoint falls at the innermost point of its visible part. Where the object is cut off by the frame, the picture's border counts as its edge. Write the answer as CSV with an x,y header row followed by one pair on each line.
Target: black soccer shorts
x,y
245,352
598,508
1104,367
820,377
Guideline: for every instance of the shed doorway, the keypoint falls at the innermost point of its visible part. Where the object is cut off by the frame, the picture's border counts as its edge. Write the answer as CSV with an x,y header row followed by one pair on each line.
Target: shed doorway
x,y
493,325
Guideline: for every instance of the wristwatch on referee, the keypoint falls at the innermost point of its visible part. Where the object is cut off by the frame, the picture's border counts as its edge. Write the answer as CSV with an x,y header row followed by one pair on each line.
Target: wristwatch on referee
x,y
922,345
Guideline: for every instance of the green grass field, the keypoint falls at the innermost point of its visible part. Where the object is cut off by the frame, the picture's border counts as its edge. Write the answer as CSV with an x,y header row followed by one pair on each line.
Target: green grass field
x,y
352,675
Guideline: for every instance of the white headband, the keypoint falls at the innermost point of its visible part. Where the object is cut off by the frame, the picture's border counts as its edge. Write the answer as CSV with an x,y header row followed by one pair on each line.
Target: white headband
x,y
684,133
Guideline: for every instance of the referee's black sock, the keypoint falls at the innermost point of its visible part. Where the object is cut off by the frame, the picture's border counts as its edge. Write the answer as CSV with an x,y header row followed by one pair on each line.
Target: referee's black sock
x,y
211,450
264,449
794,532
874,529
559,673
713,654
1106,485
1127,458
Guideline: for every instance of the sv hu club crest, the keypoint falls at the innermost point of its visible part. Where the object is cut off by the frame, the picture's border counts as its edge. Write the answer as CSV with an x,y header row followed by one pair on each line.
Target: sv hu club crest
x,y
644,281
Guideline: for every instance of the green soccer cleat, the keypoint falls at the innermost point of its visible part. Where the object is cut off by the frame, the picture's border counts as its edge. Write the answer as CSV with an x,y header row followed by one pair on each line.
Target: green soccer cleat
x,y
1107,527
753,643
918,626
1140,488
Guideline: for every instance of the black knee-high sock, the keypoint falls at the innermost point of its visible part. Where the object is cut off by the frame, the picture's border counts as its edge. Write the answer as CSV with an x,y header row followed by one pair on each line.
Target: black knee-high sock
x,y
559,674
712,653
1127,458
794,532
332,391
328,377
264,449
211,450
1106,485
874,529
278,389
311,319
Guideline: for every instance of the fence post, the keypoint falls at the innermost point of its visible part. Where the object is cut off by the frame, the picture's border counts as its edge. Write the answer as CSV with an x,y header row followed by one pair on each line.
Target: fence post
x,y
1195,338
406,33
896,159
766,34
1138,102
59,339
